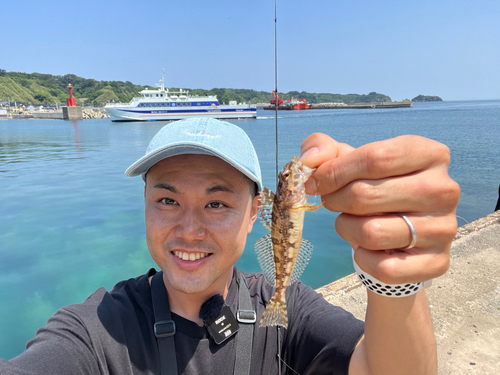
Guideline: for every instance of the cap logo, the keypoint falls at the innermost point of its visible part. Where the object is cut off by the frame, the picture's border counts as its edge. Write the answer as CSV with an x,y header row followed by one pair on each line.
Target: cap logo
x,y
200,134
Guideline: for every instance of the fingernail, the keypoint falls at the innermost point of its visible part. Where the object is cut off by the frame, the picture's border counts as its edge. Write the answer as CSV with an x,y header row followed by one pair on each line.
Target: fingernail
x,y
310,186
309,152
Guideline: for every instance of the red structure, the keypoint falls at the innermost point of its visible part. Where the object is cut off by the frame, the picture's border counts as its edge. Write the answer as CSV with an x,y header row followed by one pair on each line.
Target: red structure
x,y
70,102
300,104
273,101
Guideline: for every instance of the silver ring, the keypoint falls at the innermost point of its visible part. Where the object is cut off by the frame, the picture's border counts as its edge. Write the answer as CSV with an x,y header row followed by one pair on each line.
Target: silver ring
x,y
412,231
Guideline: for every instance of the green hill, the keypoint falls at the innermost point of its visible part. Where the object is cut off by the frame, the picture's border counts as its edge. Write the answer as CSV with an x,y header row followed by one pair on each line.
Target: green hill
x,y
427,98
38,88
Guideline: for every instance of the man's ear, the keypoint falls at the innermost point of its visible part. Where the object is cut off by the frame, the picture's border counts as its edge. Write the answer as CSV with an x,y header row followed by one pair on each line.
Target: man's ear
x,y
254,210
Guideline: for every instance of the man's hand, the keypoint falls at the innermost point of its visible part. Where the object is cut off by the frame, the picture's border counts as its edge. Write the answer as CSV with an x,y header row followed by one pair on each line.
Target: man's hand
x,y
370,186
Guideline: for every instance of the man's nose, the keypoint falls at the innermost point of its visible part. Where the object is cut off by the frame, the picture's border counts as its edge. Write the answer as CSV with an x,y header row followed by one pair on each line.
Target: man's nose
x,y
190,226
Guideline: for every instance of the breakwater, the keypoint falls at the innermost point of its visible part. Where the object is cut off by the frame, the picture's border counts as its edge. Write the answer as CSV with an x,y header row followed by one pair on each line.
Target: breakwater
x,y
464,302
84,114
373,105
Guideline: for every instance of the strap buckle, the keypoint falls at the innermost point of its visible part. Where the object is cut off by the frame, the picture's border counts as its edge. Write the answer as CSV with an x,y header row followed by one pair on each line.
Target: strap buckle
x,y
246,316
164,328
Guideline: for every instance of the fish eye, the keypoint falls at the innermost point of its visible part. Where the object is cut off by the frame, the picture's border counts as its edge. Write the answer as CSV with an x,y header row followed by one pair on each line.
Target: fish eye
x,y
286,174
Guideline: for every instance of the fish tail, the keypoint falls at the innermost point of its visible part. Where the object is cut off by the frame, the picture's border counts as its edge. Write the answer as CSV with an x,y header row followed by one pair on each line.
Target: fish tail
x,y
274,314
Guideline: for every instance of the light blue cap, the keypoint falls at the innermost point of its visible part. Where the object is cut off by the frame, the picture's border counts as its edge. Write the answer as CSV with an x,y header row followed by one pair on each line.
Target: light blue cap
x,y
202,135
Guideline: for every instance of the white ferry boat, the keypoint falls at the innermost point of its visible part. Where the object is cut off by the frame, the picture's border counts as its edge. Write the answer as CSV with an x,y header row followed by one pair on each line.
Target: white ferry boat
x,y
162,104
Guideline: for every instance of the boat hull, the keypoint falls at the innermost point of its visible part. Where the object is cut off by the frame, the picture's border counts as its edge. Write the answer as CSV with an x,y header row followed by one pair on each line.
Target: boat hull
x,y
122,113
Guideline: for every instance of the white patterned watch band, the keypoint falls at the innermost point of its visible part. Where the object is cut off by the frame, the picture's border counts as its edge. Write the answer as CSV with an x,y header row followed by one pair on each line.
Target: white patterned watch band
x,y
387,290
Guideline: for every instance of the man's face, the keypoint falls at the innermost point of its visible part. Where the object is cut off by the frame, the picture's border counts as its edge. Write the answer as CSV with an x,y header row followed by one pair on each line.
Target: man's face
x,y
199,210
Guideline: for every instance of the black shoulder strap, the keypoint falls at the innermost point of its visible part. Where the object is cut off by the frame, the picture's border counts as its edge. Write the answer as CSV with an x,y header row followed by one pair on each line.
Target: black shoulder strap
x,y
164,327
246,316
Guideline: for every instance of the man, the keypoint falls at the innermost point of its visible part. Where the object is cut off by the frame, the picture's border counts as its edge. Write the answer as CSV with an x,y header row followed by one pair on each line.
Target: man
x,y
202,179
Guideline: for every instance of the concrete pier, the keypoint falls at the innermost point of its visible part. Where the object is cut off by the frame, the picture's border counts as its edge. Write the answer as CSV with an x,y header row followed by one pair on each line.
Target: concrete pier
x,y
48,115
374,105
72,113
465,302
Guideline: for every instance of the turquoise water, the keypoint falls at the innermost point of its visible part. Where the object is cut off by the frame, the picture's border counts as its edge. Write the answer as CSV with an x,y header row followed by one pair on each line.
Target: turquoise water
x,y
70,221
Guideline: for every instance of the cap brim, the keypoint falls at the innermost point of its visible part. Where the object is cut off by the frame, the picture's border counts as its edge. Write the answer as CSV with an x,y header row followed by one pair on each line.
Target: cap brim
x,y
141,166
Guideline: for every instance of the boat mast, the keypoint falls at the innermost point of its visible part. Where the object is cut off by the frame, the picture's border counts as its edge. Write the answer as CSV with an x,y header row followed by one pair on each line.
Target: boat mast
x,y
162,80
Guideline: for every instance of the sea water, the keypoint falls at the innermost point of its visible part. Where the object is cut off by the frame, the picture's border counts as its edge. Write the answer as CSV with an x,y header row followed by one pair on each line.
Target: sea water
x,y
71,222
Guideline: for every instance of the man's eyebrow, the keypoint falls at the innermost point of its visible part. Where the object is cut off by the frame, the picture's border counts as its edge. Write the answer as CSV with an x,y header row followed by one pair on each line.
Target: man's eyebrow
x,y
217,188
166,187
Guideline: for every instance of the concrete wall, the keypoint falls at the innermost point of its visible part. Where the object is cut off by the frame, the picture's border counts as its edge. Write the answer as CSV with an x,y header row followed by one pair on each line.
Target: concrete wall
x,y
48,115
464,302
72,113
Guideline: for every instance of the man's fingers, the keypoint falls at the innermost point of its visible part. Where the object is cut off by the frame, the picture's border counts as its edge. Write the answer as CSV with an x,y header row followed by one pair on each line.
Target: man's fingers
x,y
404,266
389,232
428,191
394,157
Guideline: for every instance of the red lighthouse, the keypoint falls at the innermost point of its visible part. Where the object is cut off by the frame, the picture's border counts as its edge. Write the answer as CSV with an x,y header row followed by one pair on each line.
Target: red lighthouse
x,y
70,102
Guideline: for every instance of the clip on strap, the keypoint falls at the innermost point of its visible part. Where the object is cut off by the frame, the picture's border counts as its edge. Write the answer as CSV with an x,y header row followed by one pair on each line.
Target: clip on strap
x,y
246,316
164,328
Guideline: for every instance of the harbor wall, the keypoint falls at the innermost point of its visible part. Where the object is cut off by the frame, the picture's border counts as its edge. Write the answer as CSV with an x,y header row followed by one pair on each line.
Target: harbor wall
x,y
73,113
464,302
47,115
373,105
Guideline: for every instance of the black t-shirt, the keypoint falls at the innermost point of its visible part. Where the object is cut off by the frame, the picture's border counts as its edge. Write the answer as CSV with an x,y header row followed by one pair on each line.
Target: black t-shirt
x,y
112,333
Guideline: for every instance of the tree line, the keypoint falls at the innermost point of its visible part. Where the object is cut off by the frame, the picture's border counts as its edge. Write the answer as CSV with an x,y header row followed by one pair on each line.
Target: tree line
x,y
39,88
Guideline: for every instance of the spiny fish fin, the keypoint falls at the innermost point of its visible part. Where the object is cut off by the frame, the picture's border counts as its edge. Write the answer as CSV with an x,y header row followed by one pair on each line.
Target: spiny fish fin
x,y
305,252
265,256
267,197
275,314
312,206
266,207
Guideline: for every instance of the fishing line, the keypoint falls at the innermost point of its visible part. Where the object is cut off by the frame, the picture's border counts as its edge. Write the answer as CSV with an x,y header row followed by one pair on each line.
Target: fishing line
x,y
276,86
276,138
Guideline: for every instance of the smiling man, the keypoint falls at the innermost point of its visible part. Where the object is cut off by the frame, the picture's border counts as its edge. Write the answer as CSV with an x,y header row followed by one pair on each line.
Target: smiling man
x,y
199,211
202,182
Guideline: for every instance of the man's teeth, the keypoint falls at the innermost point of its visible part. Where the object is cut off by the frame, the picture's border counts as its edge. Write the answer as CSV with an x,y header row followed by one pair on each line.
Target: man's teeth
x,y
190,256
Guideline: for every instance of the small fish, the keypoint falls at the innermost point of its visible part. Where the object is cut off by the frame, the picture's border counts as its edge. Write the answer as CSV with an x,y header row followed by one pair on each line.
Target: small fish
x,y
283,254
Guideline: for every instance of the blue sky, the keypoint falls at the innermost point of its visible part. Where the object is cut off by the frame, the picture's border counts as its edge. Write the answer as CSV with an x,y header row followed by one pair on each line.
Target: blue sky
x,y
401,49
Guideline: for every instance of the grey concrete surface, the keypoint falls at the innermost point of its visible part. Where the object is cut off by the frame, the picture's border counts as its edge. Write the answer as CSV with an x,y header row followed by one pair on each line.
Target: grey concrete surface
x,y
72,113
464,302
